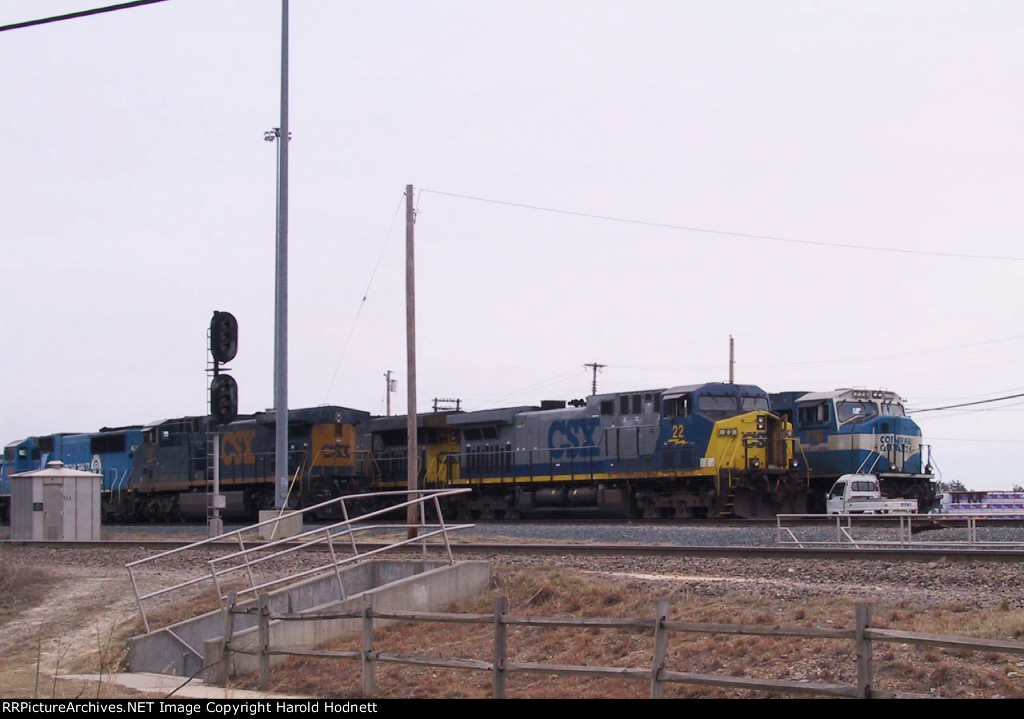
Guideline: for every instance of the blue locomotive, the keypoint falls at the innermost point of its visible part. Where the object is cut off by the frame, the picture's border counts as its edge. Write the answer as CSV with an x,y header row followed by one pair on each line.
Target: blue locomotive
x,y
857,431
23,455
108,452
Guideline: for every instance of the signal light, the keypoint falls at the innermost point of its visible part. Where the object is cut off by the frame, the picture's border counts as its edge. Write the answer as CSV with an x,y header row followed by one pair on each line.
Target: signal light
x,y
223,337
224,398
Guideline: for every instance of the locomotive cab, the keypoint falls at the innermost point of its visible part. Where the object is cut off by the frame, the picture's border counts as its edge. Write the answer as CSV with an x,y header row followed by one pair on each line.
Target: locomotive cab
x,y
849,431
747,450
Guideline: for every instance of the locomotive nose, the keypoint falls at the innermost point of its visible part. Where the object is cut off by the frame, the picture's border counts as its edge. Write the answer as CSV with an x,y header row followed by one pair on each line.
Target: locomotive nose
x,y
893,440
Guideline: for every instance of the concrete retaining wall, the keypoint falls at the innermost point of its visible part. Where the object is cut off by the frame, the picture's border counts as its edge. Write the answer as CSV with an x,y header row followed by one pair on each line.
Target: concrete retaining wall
x,y
194,647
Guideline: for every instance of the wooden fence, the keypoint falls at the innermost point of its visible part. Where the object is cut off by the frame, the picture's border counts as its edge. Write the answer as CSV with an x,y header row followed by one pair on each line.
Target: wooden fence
x,y
862,636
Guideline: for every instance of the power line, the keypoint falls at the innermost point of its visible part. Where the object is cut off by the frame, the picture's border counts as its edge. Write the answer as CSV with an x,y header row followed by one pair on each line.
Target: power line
x,y
743,235
366,293
968,404
80,13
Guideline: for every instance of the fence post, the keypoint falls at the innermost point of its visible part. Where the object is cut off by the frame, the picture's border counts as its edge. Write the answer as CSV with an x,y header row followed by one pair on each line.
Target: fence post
x,y
369,684
660,650
863,651
263,640
500,646
223,671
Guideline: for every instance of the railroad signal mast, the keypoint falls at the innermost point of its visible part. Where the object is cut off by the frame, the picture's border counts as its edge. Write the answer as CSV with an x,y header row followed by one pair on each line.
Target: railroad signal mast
x,y
223,400
223,348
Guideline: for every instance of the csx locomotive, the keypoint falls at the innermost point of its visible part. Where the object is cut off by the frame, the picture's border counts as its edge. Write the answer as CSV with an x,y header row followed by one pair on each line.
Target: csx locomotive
x,y
695,451
707,450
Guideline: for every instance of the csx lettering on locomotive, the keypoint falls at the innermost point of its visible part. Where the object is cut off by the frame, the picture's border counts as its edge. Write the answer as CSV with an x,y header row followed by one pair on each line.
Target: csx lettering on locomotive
x,y
573,434
236,447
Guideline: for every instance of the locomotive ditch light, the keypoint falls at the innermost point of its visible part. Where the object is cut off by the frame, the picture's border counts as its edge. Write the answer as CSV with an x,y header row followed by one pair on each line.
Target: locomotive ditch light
x,y
755,463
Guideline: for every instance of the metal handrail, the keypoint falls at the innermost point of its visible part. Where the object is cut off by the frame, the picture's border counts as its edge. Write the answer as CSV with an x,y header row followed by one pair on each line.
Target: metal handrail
x,y
309,538
903,524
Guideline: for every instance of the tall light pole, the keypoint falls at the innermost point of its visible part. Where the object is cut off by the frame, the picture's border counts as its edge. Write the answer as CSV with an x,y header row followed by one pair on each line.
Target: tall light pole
x,y
281,286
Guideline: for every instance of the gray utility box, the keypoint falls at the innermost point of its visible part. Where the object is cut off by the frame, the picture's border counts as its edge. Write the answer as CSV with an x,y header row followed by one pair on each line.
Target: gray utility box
x,y
56,504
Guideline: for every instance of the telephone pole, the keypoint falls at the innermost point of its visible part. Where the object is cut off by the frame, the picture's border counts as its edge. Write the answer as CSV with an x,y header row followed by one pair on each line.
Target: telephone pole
x,y
412,452
732,361
390,389
596,368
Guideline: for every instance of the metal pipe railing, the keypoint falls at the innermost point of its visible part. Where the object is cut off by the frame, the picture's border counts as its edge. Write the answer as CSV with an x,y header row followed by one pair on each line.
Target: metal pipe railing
x,y
282,547
900,525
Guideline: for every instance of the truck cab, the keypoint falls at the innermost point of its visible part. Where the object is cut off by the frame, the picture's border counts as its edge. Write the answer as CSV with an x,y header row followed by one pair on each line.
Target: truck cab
x,y
860,494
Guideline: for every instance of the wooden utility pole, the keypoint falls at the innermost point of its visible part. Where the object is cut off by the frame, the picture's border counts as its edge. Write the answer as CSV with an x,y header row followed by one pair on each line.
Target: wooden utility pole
x,y
412,451
390,389
732,361
594,366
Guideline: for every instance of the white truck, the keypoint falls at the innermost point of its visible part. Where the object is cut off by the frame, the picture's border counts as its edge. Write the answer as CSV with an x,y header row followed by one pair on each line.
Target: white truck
x,y
860,494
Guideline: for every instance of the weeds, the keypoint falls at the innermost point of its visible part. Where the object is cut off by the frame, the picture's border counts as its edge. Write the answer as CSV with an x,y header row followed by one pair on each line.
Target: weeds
x,y
21,587
562,593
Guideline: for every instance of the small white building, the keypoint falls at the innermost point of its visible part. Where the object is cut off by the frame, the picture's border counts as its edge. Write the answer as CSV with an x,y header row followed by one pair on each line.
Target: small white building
x,y
55,504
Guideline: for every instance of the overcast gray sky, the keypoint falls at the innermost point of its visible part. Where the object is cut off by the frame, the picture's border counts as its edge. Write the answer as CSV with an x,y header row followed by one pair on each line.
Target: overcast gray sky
x,y
837,185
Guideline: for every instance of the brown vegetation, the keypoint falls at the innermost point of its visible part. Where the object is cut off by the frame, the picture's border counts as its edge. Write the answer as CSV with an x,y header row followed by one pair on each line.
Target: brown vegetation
x,y
72,611
558,592
21,587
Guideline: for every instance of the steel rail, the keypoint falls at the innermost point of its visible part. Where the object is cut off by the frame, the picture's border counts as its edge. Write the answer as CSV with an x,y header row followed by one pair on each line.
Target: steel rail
x,y
524,547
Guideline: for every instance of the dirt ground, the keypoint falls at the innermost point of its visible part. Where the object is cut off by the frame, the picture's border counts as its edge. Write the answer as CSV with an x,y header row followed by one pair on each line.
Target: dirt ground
x,y
72,611
79,626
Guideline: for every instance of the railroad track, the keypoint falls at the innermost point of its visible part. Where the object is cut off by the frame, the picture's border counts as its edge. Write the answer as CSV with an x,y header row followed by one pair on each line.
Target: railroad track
x,y
485,549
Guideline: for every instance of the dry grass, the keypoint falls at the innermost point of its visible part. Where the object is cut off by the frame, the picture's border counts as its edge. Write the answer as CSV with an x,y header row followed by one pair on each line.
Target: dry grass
x,y
21,587
560,592
553,591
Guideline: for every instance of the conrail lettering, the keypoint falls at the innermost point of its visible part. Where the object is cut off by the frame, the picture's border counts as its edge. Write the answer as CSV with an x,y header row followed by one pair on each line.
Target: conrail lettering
x,y
888,442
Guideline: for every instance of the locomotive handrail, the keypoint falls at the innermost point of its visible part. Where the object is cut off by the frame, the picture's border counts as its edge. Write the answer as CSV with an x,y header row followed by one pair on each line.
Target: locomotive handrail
x,y
306,539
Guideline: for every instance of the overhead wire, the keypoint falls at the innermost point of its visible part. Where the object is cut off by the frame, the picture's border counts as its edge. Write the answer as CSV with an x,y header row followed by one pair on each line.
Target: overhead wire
x,y
726,233
362,302
78,14
968,404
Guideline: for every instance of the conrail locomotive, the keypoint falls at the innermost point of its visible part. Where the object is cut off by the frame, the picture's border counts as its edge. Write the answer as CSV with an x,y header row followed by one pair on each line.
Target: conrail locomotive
x,y
705,450
857,431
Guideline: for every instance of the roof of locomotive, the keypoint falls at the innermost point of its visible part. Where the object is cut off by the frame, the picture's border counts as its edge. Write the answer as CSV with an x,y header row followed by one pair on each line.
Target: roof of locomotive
x,y
851,393
711,387
399,421
504,415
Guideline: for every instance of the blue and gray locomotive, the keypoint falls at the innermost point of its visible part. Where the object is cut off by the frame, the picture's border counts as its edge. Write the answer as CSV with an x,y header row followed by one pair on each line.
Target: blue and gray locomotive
x,y
857,431
173,471
705,450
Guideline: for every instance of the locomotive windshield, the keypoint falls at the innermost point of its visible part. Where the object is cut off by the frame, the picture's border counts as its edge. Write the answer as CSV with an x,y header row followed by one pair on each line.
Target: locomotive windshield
x,y
716,406
855,411
751,404
893,410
